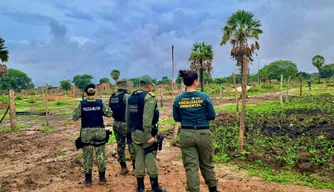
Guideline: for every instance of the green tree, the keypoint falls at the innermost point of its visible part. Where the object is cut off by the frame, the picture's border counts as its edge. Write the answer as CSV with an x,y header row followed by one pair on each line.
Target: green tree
x,y
240,28
276,68
3,58
17,80
164,80
115,74
304,74
327,71
201,58
81,81
104,80
178,80
66,85
318,61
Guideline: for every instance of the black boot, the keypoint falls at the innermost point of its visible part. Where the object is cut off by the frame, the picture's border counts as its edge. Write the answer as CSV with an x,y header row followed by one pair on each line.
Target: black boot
x,y
155,185
213,189
88,179
140,185
124,169
102,177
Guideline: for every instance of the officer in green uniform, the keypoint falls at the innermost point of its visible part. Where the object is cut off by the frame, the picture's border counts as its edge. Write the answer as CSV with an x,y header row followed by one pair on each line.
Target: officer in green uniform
x,y
141,115
117,103
194,110
92,132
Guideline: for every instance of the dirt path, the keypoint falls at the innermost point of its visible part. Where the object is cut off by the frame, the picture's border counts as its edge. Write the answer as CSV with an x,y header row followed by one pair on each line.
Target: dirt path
x,y
35,161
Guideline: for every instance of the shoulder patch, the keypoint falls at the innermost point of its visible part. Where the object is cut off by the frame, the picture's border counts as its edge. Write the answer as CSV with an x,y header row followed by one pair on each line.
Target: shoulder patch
x,y
152,94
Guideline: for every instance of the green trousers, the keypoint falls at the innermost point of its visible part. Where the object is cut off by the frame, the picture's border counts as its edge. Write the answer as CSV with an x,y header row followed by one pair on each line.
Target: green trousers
x,y
143,161
197,152
120,131
88,154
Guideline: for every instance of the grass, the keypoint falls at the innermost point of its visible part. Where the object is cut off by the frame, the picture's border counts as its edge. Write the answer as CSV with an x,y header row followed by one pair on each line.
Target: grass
x,y
64,113
59,152
47,129
5,130
166,124
287,177
112,139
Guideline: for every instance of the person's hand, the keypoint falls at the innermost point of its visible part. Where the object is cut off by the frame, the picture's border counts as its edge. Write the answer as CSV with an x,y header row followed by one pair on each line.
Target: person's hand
x,y
151,141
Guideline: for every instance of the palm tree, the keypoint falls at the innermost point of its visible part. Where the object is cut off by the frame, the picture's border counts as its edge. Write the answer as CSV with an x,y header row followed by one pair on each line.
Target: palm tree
x,y
201,54
3,57
115,74
240,28
318,61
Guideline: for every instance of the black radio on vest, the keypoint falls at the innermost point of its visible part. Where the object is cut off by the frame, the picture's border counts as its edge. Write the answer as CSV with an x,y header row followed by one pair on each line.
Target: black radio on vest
x,y
117,106
91,114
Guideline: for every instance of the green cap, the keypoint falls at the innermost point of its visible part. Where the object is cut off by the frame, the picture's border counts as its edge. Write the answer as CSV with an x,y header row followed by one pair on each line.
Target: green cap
x,y
122,84
146,80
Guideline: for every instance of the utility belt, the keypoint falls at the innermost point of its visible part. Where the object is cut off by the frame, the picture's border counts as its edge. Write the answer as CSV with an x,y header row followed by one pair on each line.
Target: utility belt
x,y
195,127
79,144
93,127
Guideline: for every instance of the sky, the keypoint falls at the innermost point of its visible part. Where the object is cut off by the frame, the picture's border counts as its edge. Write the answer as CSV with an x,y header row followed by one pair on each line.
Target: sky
x,y
56,40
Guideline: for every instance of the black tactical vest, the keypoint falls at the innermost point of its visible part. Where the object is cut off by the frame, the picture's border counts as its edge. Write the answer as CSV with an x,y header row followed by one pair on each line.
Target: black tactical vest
x,y
91,114
117,106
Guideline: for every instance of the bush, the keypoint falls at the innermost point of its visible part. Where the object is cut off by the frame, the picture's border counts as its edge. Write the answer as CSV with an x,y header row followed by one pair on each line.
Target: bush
x,y
4,99
59,102
330,84
31,100
267,86
19,97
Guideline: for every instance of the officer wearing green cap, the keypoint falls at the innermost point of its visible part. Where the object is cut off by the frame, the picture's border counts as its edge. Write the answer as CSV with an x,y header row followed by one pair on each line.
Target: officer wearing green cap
x,y
117,103
194,110
141,117
92,132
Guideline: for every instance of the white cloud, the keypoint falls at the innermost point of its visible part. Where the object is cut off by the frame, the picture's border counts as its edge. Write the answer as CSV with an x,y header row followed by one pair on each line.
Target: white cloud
x,y
80,40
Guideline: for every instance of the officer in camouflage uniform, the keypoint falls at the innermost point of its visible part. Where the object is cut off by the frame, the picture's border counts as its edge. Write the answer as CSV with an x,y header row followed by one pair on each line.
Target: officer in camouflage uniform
x,y
141,108
117,104
92,132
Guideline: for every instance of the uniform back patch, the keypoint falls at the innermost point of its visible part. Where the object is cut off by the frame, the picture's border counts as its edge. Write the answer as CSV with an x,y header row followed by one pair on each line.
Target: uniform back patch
x,y
133,108
114,100
191,102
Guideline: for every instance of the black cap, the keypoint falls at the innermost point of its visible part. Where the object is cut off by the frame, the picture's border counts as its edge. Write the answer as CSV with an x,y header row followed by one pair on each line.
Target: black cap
x,y
89,86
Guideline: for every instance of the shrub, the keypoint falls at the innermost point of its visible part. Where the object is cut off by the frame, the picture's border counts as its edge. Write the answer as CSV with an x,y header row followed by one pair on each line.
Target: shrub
x,y
267,86
31,100
4,99
19,97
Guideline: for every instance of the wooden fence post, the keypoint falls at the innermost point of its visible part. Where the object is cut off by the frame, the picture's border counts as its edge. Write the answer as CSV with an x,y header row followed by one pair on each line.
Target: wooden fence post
x,y
46,105
281,90
301,84
161,96
287,90
12,111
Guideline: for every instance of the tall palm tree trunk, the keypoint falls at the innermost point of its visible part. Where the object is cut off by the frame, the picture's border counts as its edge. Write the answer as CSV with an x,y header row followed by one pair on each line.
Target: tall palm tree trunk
x,y
243,111
201,76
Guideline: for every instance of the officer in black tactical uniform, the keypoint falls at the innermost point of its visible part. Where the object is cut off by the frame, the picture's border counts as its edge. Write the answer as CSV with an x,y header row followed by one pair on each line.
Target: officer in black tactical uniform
x,y
117,104
142,116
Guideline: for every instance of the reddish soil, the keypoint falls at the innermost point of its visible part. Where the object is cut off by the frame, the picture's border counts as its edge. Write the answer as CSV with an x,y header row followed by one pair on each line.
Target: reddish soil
x,y
32,160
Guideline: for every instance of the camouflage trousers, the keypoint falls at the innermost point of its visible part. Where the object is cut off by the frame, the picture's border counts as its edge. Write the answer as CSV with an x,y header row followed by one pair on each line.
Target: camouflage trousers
x,y
89,135
122,137
88,153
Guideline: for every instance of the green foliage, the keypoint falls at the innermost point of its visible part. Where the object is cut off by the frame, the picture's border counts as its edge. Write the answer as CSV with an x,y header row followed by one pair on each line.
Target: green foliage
x,y
178,80
81,81
115,74
164,80
318,61
4,99
17,80
19,97
3,53
305,75
66,85
327,71
104,80
241,27
31,100
112,139
276,68
292,138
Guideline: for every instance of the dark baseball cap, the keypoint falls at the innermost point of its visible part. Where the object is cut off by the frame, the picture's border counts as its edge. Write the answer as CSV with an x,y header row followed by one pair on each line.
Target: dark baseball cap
x,y
89,86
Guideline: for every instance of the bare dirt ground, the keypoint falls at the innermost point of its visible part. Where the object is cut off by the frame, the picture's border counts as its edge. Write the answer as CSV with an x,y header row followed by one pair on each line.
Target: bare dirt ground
x,y
32,160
